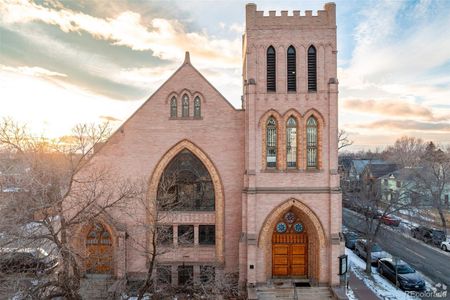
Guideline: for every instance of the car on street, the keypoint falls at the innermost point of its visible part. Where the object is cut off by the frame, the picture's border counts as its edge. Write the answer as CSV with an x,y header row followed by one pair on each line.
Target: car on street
x,y
350,238
428,235
401,274
376,253
23,260
390,220
445,245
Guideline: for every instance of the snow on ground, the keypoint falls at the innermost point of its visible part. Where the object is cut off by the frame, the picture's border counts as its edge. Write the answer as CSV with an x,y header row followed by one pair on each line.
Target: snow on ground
x,y
378,284
350,294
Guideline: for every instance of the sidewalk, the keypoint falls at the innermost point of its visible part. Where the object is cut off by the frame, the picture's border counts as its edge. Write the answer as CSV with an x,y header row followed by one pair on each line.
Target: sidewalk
x,y
360,290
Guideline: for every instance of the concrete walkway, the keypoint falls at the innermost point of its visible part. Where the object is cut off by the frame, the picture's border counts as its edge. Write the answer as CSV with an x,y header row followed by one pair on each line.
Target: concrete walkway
x,y
360,290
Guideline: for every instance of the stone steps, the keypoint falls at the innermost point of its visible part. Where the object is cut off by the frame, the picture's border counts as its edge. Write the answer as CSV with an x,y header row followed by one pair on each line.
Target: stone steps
x,y
285,293
95,287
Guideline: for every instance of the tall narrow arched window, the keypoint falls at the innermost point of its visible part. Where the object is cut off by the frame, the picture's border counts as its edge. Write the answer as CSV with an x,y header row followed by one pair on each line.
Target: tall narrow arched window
x,y
312,69
271,143
271,69
291,143
291,70
185,111
173,107
311,142
197,107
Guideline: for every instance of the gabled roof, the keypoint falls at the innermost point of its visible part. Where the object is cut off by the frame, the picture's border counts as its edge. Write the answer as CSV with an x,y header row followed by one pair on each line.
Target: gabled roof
x,y
360,164
402,174
378,170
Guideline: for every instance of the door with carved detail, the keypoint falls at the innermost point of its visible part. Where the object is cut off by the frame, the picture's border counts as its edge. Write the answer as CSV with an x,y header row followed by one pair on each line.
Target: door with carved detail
x,y
289,247
99,250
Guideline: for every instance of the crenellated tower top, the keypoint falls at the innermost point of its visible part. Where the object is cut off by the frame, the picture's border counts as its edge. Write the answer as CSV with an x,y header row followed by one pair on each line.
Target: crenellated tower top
x,y
256,19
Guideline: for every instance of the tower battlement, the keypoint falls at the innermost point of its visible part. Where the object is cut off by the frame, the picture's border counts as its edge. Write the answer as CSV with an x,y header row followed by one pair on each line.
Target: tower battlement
x,y
256,19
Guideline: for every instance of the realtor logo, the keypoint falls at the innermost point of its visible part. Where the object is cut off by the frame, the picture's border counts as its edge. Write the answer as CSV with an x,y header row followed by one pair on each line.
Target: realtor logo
x,y
439,290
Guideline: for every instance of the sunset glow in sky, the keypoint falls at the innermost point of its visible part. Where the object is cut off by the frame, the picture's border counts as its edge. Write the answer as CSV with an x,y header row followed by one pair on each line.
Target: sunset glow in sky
x,y
66,62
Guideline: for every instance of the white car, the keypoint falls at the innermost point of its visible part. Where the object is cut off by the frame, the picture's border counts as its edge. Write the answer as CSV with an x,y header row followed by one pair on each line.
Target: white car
x,y
445,245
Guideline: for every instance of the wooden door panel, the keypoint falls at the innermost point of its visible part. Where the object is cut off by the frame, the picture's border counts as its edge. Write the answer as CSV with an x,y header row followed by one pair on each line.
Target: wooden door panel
x,y
298,249
298,260
280,271
298,270
281,260
280,249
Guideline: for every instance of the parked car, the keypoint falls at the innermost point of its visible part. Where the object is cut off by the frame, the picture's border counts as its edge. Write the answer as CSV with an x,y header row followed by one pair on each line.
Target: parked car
x,y
376,253
18,260
390,220
350,238
445,245
401,274
428,235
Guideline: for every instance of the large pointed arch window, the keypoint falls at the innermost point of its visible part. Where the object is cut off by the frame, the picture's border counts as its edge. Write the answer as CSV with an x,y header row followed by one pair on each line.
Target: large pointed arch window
x,y
186,185
312,69
311,142
291,143
271,143
197,107
185,110
173,107
271,69
291,70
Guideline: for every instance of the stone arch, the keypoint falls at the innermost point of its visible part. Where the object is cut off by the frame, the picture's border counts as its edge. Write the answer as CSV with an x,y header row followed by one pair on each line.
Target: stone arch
x,y
280,128
170,96
217,183
316,239
320,129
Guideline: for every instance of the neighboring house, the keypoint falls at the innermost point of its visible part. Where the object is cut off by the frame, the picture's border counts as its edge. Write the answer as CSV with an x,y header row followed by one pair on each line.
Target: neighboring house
x,y
370,175
402,184
356,168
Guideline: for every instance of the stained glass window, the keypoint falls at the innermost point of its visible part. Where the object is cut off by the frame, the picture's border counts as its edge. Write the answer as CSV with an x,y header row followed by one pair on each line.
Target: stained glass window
x,y
185,112
173,107
271,143
197,107
311,142
291,143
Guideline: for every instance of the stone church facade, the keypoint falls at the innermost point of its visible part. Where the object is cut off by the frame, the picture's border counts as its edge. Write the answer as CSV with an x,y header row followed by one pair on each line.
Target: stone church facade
x,y
256,189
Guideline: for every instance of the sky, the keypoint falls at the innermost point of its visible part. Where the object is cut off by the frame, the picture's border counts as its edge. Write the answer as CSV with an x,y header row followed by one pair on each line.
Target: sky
x,y
64,62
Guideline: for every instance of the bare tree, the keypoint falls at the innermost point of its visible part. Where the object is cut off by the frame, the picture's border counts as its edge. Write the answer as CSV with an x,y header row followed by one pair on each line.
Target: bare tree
x,y
343,139
406,152
61,190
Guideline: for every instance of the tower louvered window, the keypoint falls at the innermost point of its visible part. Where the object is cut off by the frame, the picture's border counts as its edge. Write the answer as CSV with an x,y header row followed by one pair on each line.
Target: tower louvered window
x,y
291,70
185,112
271,143
271,73
311,142
173,107
312,69
197,107
291,143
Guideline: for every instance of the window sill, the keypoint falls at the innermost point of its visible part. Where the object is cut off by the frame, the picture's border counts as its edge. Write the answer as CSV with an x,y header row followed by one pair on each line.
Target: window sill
x,y
185,118
292,170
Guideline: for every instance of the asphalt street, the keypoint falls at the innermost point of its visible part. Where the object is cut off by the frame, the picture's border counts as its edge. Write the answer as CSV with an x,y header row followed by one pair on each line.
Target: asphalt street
x,y
430,261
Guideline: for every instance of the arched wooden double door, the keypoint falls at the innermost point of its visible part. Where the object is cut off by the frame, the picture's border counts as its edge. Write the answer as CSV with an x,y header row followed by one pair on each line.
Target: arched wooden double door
x,y
99,250
289,247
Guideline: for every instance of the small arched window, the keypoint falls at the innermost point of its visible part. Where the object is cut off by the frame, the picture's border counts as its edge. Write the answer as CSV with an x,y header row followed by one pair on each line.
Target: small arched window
x,y
291,143
197,107
291,70
185,111
312,69
311,142
271,143
173,107
271,66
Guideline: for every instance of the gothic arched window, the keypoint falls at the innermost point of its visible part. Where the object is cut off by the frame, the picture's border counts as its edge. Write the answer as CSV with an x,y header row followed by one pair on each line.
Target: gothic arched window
x,y
271,70
311,142
197,107
291,70
186,185
271,143
312,69
173,107
291,143
185,111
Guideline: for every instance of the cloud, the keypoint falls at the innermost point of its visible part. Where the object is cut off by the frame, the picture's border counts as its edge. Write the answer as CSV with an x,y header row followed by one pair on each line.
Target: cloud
x,y
32,71
393,107
407,125
167,39
109,119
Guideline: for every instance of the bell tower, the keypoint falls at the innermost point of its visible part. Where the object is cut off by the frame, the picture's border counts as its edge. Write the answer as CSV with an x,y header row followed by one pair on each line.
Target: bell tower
x,y
291,123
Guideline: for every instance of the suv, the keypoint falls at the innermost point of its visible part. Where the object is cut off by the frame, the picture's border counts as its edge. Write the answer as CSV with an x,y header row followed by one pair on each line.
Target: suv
x,y
376,253
37,260
428,235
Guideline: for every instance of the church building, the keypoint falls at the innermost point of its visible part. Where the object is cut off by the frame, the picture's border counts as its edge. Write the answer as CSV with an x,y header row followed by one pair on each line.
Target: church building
x,y
256,189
